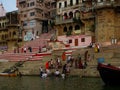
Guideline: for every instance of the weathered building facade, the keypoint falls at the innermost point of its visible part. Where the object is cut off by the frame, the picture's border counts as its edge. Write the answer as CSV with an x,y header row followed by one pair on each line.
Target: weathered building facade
x,y
107,21
96,18
73,20
9,31
34,16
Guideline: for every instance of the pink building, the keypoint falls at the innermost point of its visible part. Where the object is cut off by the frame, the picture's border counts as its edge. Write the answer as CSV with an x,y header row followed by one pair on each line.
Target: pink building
x,y
76,41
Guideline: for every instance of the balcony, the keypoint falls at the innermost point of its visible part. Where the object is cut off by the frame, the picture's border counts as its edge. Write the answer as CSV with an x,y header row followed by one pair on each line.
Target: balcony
x,y
13,38
72,7
63,21
104,4
117,3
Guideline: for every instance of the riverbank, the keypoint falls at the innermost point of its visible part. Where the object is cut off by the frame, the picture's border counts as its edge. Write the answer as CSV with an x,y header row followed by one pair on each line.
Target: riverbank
x,y
31,68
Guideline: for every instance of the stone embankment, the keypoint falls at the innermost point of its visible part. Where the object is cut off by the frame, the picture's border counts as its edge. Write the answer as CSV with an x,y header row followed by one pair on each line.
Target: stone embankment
x,y
110,55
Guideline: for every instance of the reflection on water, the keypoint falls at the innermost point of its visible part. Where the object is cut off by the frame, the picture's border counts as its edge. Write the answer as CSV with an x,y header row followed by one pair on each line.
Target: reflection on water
x,y
37,83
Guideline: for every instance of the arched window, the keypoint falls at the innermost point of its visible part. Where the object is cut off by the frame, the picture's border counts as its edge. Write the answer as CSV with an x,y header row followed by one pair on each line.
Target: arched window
x,y
71,15
71,2
65,16
77,27
77,14
77,2
3,37
0,25
37,33
65,29
65,4
60,4
10,34
70,28
14,33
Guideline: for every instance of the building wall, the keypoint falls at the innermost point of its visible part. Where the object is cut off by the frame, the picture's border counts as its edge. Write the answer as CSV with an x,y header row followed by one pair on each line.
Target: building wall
x,y
83,40
9,30
105,29
68,16
117,26
32,15
13,37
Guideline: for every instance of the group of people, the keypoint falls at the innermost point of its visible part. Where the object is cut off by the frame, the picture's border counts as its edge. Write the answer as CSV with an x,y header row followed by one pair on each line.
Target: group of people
x,y
48,73
23,50
53,64
96,47
79,62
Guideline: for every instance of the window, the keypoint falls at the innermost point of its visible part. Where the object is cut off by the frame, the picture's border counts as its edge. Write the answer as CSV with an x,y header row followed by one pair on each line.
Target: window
x,y
32,13
65,29
60,5
37,33
71,15
77,2
25,15
27,4
71,2
32,23
77,14
10,34
65,16
32,4
14,33
70,41
70,28
82,39
25,23
65,4
77,27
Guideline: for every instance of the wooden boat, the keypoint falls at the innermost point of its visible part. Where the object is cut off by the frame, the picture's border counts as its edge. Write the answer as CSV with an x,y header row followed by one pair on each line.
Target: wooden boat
x,y
109,74
8,74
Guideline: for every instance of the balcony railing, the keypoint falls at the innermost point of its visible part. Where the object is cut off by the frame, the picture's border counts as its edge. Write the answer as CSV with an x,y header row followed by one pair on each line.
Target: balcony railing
x,y
63,21
71,7
107,4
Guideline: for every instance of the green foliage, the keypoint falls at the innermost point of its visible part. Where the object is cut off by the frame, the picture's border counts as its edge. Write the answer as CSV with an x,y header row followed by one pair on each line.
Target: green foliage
x,y
78,21
68,33
52,23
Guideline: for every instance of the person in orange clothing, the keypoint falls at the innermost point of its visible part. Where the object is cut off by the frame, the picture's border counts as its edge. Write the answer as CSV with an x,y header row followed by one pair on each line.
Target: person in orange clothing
x,y
63,56
47,65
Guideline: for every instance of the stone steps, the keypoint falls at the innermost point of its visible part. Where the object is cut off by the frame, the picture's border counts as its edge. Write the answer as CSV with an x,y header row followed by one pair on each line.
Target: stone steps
x,y
30,67
6,65
117,54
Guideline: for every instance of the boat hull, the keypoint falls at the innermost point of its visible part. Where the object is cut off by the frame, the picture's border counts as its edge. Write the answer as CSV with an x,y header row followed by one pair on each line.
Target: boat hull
x,y
8,74
109,74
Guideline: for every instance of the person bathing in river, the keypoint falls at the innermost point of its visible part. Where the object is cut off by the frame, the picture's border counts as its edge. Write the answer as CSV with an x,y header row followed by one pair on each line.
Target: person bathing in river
x,y
57,73
41,71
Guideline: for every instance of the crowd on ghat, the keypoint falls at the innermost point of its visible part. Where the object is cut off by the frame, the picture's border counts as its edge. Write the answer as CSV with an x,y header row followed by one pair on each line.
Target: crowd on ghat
x,y
69,63
79,62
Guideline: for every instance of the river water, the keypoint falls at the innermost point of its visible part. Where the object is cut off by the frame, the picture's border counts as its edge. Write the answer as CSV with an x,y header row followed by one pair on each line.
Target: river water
x,y
37,83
